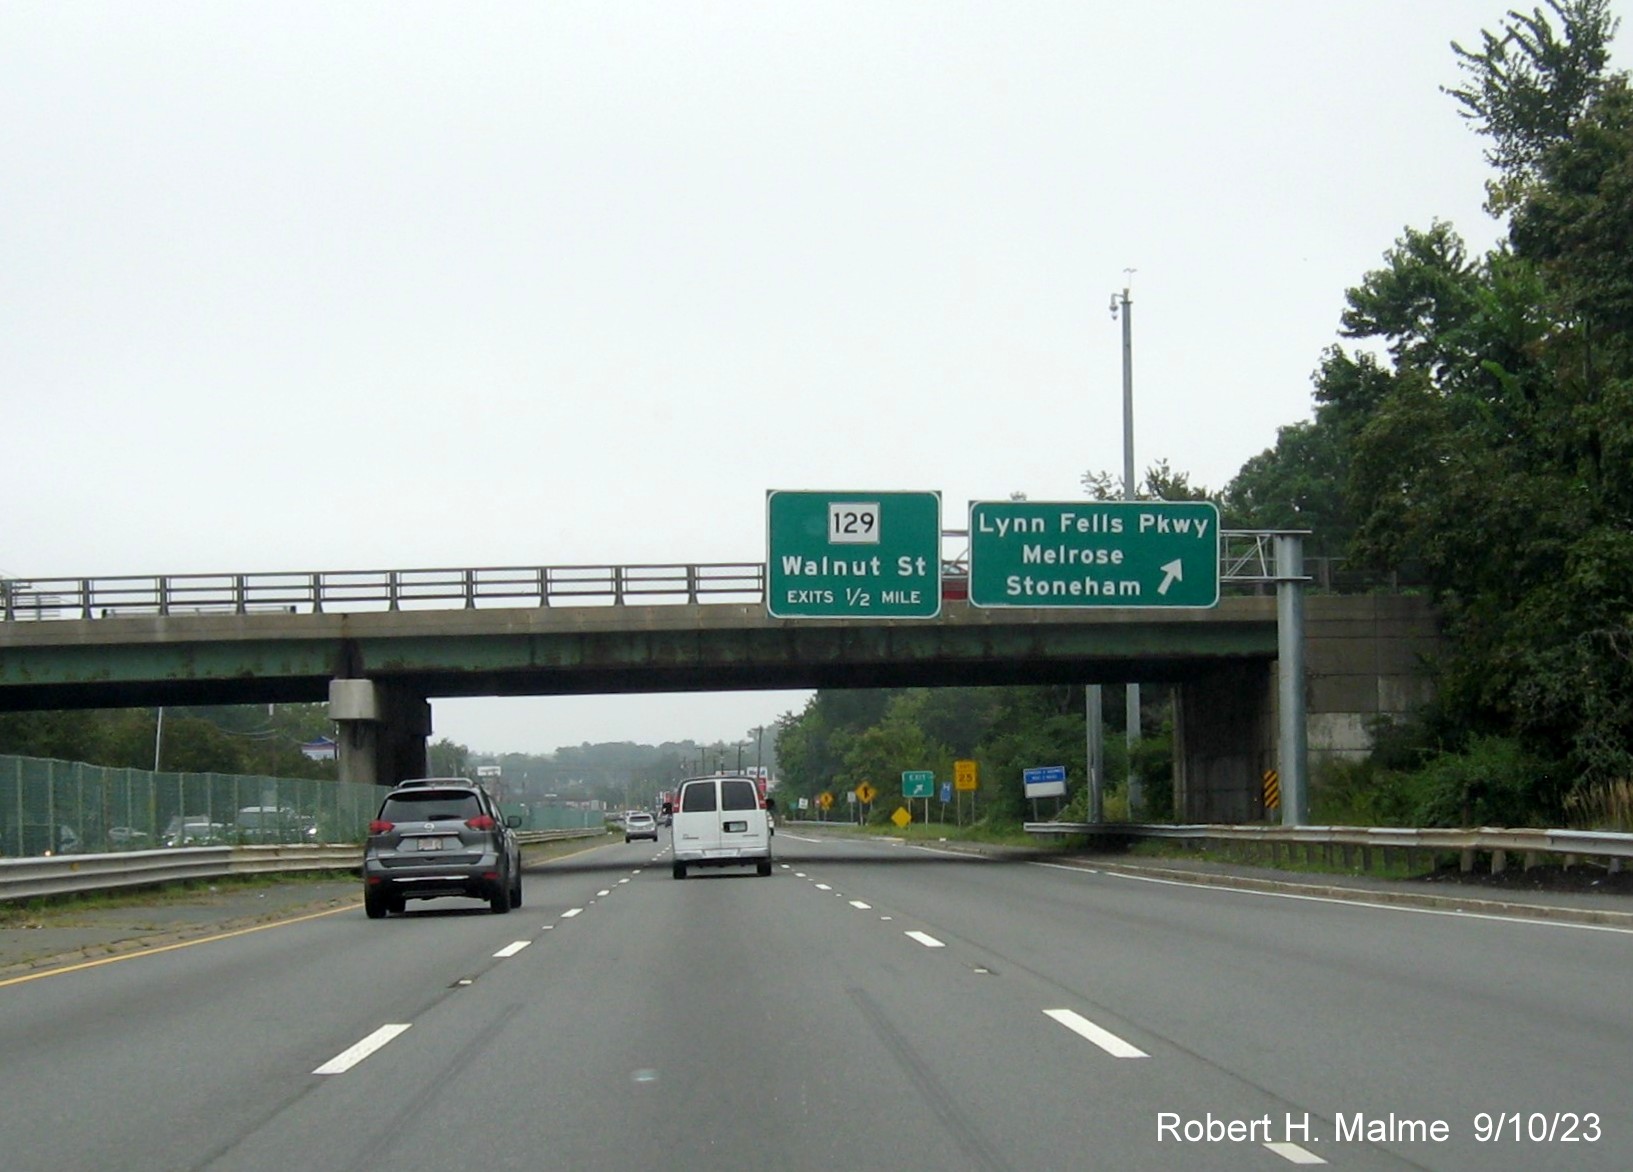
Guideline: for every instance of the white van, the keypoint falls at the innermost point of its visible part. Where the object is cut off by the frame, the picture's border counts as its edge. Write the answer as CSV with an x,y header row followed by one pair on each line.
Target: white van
x,y
719,822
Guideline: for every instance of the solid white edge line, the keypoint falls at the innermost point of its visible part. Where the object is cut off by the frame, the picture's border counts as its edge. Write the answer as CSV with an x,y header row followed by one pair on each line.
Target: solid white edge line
x,y
1105,1039
1365,903
513,948
926,939
352,1055
1294,1154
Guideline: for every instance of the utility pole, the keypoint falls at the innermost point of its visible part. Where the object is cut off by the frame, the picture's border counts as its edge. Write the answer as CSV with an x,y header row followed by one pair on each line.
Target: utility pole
x,y
1126,307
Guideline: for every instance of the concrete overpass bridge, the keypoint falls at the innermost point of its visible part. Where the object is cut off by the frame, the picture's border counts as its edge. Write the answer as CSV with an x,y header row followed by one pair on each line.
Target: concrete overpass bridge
x,y
380,645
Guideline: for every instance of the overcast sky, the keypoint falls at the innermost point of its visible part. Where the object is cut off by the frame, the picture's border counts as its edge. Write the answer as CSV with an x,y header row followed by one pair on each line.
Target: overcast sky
x,y
301,286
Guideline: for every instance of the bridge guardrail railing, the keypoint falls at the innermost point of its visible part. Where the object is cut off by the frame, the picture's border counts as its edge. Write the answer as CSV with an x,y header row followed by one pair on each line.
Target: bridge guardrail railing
x,y
1246,561
52,875
1614,847
340,591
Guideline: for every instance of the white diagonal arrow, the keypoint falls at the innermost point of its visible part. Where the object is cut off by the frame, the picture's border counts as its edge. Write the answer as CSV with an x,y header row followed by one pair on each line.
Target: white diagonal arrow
x,y
1173,572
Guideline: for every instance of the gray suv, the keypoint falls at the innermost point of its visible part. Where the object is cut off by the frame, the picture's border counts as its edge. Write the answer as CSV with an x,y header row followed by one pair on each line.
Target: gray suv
x,y
440,836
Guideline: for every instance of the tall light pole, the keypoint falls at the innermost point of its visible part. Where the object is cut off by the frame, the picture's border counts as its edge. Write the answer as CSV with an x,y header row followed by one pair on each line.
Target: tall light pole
x,y
1126,307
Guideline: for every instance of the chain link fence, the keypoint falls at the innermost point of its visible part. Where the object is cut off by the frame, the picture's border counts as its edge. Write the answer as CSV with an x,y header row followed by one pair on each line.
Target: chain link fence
x,y
68,807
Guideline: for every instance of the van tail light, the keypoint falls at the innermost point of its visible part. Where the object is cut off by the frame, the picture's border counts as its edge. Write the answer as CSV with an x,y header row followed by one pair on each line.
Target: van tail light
x,y
480,822
381,826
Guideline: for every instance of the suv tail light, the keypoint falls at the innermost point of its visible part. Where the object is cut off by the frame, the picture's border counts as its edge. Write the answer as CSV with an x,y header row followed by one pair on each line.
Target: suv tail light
x,y
480,822
380,826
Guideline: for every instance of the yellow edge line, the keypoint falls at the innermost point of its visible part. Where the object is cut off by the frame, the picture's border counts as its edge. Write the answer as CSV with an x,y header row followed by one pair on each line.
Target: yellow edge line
x,y
92,964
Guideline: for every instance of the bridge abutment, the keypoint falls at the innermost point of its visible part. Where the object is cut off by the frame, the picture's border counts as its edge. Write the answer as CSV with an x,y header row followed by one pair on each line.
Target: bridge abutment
x,y
1224,740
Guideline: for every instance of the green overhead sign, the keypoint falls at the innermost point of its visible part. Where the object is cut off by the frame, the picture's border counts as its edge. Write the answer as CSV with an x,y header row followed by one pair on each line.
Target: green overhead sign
x,y
853,555
1094,553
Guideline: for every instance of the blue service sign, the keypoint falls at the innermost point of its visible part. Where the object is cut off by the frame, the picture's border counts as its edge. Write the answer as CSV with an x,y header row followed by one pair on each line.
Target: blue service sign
x,y
946,792
1047,781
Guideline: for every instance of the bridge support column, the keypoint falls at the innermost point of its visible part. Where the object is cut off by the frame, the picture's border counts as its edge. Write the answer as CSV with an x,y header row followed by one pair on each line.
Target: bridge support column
x,y
382,731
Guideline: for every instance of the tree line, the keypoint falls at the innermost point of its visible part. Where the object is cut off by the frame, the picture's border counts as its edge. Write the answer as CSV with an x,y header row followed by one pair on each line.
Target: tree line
x,y
257,739
1473,432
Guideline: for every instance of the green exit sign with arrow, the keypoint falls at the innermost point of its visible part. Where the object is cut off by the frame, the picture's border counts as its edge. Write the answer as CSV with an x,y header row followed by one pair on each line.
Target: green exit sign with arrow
x,y
1094,553
918,783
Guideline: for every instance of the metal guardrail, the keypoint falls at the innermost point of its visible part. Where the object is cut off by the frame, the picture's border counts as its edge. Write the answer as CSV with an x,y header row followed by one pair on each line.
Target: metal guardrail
x,y
74,874
48,875
532,837
1499,842
1246,558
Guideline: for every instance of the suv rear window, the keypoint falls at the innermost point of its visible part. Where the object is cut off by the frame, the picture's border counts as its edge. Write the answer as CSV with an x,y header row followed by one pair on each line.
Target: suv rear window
x,y
738,795
431,805
697,798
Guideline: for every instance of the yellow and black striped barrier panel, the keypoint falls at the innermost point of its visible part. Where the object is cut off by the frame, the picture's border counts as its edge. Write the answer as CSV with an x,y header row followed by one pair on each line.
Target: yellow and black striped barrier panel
x,y
1272,790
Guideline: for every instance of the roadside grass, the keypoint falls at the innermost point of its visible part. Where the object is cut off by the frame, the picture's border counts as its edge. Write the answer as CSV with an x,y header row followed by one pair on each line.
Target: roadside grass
x,y
24,912
1385,863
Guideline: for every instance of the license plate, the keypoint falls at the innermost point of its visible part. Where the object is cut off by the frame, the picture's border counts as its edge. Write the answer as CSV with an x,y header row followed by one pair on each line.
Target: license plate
x,y
735,827
423,844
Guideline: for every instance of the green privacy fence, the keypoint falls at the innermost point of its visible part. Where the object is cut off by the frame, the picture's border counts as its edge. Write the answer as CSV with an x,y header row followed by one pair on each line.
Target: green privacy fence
x,y
68,807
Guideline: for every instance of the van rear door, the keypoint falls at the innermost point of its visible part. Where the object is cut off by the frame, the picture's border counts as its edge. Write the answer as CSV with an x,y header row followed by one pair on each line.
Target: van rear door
x,y
696,824
720,818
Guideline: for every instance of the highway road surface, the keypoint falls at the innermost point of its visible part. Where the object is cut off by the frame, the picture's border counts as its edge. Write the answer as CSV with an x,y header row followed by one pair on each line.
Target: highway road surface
x,y
871,1005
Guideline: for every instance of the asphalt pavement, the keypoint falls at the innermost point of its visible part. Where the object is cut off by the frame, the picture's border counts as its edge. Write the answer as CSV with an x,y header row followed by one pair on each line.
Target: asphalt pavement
x,y
74,933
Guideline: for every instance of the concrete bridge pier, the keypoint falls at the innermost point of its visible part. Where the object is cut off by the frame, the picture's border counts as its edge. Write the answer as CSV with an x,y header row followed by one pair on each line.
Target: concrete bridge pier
x,y
383,731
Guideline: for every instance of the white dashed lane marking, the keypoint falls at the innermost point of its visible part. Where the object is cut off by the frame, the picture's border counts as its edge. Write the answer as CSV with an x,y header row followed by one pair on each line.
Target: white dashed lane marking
x,y
926,939
1294,1154
351,1056
1105,1039
513,948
